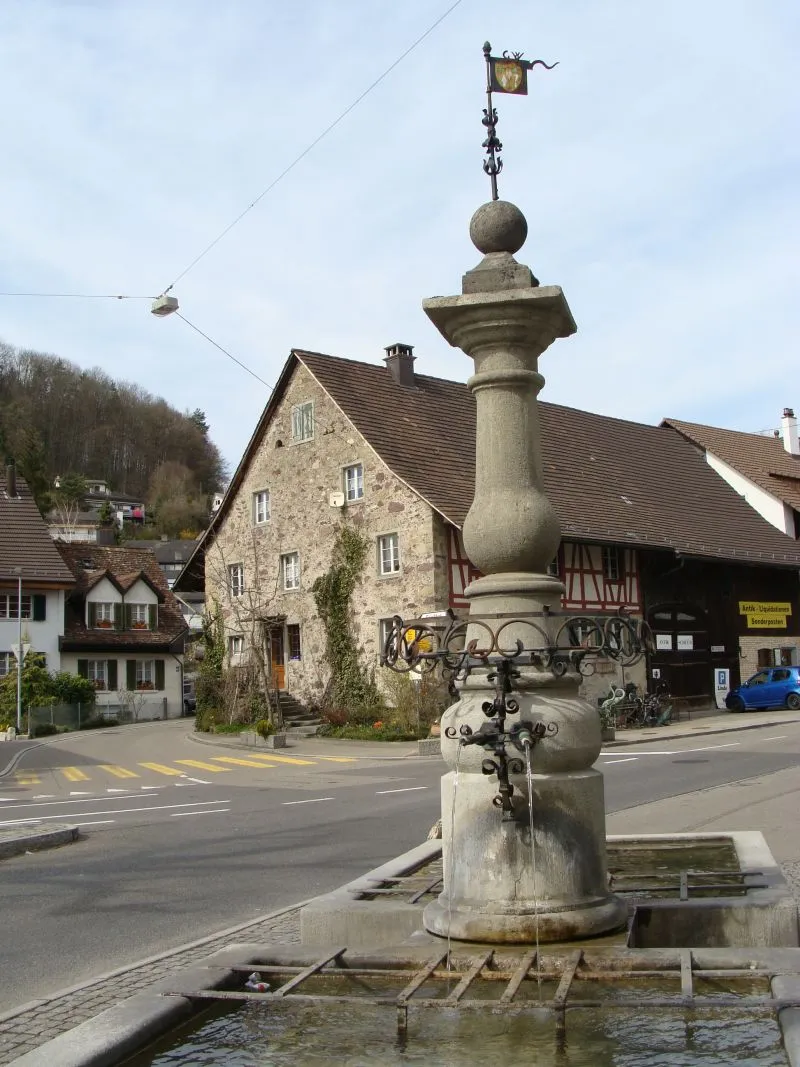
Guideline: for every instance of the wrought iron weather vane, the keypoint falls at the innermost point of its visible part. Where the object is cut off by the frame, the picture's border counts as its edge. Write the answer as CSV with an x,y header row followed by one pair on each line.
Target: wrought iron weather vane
x,y
504,74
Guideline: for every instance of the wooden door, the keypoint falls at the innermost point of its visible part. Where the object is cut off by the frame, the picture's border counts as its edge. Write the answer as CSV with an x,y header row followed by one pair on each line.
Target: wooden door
x,y
277,658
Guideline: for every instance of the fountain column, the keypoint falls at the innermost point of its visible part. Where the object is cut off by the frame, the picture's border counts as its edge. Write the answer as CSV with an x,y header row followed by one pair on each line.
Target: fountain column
x,y
499,885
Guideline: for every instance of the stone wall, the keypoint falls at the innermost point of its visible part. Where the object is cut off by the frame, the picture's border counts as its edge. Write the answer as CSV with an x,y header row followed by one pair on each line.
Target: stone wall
x,y
749,646
300,478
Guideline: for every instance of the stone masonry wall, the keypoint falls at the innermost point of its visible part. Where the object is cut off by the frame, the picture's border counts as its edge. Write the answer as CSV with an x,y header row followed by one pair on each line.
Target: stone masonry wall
x,y
749,646
300,478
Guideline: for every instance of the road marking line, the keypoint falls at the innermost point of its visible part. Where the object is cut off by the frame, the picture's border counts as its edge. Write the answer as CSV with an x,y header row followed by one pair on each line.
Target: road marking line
x,y
116,811
625,759
316,800
779,737
243,762
203,766
709,748
339,759
279,759
116,790
27,778
57,803
149,787
97,822
80,793
118,772
211,811
39,796
408,789
74,774
161,768
197,781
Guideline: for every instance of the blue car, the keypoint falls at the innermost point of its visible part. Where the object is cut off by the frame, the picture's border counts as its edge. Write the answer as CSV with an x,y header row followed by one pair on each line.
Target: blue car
x,y
774,687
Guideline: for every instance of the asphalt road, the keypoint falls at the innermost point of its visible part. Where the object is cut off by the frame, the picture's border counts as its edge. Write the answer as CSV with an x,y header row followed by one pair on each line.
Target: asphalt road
x,y
182,840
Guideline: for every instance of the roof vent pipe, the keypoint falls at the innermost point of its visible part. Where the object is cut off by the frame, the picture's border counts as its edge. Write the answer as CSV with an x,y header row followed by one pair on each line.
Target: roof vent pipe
x,y
789,432
11,480
400,363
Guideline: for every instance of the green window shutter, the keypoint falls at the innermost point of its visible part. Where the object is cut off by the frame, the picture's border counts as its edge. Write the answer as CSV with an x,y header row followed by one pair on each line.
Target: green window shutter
x,y
118,616
112,673
92,616
160,675
83,668
152,616
39,607
130,671
128,616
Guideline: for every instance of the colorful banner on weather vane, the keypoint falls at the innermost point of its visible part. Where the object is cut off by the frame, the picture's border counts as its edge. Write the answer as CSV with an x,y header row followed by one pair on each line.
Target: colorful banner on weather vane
x,y
765,614
509,73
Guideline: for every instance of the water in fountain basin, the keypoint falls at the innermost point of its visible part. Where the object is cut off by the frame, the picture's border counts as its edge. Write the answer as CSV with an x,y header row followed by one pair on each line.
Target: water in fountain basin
x,y
284,1035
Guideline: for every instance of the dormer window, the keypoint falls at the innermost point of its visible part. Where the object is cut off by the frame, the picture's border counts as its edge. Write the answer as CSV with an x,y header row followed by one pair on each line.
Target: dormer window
x,y
141,617
101,615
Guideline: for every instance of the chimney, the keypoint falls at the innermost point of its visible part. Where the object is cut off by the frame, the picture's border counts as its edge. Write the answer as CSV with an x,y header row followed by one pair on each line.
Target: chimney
x,y
789,432
400,363
11,480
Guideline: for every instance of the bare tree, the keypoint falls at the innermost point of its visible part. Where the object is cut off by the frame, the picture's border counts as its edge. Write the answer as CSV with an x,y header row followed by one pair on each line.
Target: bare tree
x,y
133,702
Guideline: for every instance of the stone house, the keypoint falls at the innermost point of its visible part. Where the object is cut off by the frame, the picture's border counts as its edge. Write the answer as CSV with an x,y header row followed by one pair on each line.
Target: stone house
x,y
648,527
124,630
29,560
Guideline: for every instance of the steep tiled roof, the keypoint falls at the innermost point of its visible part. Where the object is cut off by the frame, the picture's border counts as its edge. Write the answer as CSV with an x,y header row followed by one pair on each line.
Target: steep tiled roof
x,y
608,479
124,566
762,459
24,540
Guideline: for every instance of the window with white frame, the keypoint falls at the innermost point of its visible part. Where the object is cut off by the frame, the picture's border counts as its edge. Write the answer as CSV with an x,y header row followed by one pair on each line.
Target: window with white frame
x,y
261,511
7,663
236,579
612,563
146,674
385,630
354,482
139,615
235,645
103,614
303,421
389,554
290,570
8,606
97,673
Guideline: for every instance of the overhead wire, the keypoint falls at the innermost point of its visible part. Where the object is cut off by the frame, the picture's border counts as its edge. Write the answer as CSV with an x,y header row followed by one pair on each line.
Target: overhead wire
x,y
82,296
312,145
223,350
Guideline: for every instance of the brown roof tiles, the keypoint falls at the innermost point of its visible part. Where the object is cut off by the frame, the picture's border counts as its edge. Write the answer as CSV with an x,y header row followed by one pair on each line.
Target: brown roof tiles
x,y
762,459
25,541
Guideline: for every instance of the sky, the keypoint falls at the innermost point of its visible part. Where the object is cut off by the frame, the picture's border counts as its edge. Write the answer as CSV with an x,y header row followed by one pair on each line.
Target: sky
x,y
657,166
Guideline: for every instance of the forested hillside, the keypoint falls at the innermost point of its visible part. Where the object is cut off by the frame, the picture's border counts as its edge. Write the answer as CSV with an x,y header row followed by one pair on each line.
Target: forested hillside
x,y
56,418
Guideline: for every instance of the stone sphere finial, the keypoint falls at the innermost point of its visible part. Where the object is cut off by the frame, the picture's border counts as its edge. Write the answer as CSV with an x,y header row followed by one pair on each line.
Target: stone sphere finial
x,y
498,226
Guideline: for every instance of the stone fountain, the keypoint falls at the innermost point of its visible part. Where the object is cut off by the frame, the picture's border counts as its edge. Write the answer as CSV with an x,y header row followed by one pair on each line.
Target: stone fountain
x,y
500,885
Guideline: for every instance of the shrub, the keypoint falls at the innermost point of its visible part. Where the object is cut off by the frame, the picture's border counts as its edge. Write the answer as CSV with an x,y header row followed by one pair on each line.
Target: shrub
x,y
44,729
264,728
97,723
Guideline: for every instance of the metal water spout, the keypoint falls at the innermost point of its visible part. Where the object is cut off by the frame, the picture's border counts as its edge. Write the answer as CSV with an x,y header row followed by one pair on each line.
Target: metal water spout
x,y
495,737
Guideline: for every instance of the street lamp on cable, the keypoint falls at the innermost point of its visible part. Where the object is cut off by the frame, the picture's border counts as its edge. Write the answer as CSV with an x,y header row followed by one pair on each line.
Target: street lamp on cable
x,y
164,305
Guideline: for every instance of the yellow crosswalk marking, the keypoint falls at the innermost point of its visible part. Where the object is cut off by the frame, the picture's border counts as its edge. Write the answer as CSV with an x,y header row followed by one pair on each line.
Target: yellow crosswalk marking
x,y
243,762
118,772
339,759
201,765
161,768
283,759
74,774
27,778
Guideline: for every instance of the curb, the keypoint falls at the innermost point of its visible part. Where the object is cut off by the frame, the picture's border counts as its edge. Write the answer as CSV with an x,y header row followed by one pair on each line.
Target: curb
x,y
108,975
215,739
33,842
701,732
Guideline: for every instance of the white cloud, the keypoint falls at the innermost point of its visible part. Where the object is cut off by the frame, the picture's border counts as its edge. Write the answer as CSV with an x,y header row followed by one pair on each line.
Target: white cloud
x,y
657,166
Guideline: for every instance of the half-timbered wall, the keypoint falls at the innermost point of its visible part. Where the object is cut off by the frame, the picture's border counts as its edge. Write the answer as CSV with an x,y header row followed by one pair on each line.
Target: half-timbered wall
x,y
589,587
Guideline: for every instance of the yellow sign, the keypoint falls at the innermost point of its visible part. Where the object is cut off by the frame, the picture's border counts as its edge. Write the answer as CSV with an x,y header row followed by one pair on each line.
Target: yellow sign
x,y
765,614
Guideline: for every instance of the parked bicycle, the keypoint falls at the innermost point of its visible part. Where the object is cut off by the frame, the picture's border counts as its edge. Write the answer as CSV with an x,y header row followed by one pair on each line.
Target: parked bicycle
x,y
633,710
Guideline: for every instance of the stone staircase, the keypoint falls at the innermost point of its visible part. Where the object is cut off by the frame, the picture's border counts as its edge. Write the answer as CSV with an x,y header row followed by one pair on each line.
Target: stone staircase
x,y
297,719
